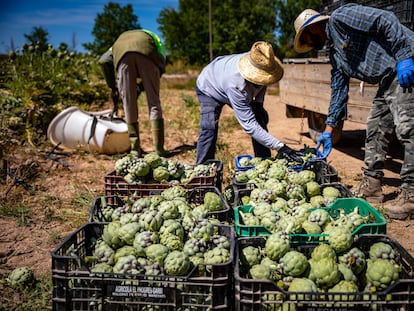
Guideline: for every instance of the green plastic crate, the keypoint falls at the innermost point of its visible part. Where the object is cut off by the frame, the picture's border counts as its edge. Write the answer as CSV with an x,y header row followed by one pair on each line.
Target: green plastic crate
x,y
376,225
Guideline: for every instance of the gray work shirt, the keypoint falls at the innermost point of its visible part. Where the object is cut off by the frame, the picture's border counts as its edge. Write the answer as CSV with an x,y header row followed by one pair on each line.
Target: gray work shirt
x,y
222,81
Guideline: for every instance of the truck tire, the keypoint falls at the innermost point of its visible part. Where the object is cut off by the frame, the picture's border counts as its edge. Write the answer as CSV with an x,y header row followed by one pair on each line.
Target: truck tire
x,y
316,124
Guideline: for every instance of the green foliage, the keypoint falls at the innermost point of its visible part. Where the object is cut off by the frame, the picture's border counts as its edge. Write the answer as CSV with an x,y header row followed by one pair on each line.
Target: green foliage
x,y
109,24
286,13
36,297
38,38
236,25
40,84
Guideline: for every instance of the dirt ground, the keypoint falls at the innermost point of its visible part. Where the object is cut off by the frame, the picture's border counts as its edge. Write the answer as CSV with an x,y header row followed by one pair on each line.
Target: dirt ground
x,y
28,240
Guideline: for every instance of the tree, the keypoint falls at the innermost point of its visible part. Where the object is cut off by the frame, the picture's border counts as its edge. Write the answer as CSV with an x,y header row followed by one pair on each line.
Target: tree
x,y
287,11
39,38
110,24
236,26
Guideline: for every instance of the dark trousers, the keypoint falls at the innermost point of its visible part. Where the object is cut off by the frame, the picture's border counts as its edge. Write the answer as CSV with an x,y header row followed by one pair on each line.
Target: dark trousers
x,y
210,111
392,110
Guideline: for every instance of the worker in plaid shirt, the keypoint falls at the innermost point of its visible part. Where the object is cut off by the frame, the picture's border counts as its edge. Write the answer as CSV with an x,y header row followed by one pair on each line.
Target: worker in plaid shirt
x,y
371,45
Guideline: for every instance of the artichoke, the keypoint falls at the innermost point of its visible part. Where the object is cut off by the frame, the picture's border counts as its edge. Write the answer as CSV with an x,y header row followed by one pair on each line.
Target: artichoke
x,y
150,220
144,239
175,169
250,256
20,277
195,247
262,208
174,192
202,229
260,272
345,287
161,174
177,263
381,273
124,251
111,234
324,272
216,256
293,263
101,267
221,241
213,202
354,259
319,216
381,250
156,253
128,231
153,159
168,210
340,238
172,241
276,246
312,188
104,253
127,264
139,168
301,285
323,251
172,226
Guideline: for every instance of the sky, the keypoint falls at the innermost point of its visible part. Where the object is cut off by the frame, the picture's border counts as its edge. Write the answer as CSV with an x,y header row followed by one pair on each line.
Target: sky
x,y
67,20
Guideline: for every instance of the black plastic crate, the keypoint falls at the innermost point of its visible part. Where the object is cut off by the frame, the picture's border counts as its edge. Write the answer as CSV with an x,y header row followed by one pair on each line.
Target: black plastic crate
x,y
253,294
195,196
76,288
116,185
324,173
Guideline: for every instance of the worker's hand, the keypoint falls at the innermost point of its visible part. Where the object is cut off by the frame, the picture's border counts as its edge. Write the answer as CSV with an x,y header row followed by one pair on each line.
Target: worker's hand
x,y
405,72
325,139
290,154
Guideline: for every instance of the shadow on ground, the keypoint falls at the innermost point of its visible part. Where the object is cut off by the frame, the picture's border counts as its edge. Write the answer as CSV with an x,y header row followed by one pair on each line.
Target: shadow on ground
x,y
352,144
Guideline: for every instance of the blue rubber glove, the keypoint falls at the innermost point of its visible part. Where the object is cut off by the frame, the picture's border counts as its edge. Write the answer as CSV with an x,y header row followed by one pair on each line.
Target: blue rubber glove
x,y
325,139
405,72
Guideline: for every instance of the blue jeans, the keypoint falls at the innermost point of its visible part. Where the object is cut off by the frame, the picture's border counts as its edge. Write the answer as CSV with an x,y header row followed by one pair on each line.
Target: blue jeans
x,y
210,110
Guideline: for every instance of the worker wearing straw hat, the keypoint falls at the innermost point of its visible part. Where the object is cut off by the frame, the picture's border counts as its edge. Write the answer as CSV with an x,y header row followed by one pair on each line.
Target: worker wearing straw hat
x,y
371,45
240,80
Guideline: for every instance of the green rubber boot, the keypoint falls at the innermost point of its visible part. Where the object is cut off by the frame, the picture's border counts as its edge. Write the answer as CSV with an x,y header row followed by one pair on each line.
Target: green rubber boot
x,y
157,128
133,132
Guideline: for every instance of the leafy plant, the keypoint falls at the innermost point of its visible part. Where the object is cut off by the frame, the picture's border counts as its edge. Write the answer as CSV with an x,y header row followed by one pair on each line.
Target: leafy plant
x,y
42,83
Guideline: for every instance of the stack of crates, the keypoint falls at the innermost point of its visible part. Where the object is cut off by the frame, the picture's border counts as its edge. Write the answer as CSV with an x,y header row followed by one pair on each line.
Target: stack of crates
x,y
265,294
205,287
229,285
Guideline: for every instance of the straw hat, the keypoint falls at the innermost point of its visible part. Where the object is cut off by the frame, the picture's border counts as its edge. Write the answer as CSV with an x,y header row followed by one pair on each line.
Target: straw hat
x,y
261,66
306,18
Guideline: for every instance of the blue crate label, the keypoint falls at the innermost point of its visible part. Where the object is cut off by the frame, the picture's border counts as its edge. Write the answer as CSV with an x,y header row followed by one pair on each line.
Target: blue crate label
x,y
137,291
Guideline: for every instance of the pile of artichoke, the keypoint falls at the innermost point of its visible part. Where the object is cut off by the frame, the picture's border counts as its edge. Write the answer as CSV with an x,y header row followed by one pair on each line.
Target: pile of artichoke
x,y
325,268
153,168
168,203
161,234
295,203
